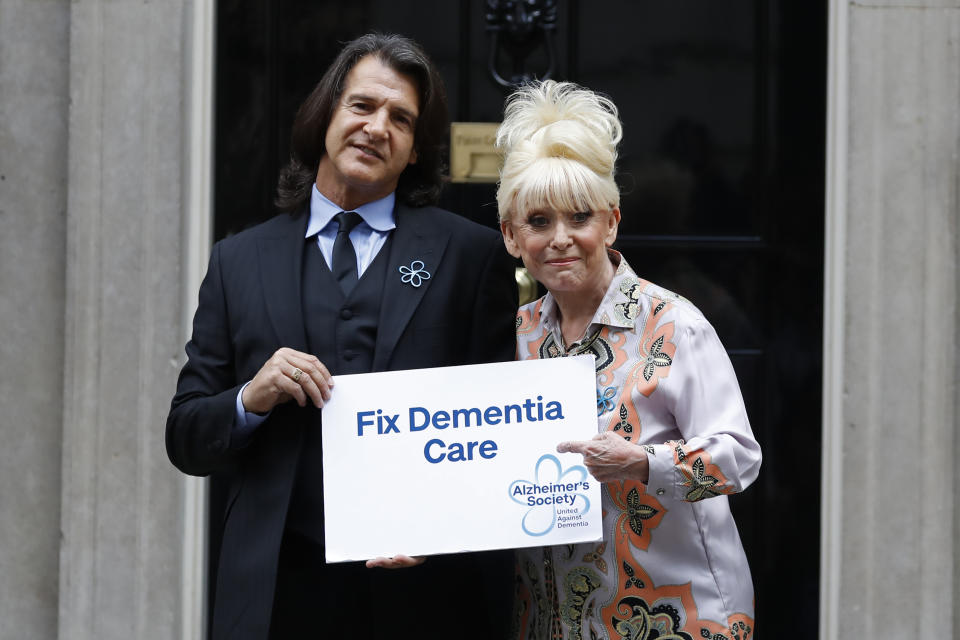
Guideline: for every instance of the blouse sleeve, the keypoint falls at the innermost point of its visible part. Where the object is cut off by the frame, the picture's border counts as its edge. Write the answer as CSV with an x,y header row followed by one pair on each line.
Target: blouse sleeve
x,y
717,454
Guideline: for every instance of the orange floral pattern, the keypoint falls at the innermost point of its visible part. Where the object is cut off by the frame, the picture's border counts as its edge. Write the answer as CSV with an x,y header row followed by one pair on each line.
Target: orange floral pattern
x,y
656,350
701,477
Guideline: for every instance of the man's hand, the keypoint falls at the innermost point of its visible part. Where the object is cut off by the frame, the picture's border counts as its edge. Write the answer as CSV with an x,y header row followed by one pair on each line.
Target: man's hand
x,y
288,374
396,562
608,457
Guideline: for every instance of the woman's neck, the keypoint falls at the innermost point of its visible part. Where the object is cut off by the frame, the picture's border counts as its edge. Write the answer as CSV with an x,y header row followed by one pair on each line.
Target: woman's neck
x,y
577,308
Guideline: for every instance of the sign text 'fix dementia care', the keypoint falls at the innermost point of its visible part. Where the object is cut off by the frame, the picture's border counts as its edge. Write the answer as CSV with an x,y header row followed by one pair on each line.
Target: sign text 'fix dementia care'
x,y
376,422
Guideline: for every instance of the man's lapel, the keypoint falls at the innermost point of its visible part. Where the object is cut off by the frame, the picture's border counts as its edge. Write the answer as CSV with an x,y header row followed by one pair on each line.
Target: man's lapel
x,y
414,241
281,269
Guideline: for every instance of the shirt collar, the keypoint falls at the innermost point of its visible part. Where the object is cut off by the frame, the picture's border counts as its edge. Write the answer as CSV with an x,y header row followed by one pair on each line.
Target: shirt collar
x,y
615,309
378,214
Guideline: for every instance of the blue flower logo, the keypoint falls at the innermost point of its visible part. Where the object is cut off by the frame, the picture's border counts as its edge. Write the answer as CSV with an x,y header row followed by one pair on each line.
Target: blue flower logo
x,y
605,400
540,519
415,274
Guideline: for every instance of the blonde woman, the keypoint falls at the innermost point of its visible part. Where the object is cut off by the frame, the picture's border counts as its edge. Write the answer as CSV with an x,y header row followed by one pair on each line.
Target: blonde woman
x,y
673,436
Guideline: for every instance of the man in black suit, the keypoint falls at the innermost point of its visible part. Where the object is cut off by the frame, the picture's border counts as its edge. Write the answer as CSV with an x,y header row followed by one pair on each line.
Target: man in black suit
x,y
358,275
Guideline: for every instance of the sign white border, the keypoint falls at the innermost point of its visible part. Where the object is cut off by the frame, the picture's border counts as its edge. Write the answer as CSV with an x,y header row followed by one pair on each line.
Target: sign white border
x,y
455,459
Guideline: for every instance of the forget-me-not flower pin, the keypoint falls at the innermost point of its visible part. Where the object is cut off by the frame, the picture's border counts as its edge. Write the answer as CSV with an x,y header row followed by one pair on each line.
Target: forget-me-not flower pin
x,y
415,274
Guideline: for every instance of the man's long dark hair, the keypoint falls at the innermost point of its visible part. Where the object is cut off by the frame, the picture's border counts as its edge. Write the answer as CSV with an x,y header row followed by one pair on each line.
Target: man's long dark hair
x,y
420,183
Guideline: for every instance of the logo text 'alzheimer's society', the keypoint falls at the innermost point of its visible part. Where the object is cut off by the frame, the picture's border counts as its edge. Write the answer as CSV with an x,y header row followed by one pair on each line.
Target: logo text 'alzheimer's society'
x,y
555,498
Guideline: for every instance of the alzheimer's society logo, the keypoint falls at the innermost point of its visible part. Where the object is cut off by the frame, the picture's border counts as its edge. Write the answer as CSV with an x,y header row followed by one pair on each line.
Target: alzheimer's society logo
x,y
554,498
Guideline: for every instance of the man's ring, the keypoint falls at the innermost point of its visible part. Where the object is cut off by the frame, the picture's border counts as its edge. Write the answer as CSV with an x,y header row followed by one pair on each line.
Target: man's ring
x,y
297,372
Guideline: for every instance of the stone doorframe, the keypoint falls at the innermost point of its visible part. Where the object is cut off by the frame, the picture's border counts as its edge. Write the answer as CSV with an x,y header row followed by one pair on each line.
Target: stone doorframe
x,y
139,127
889,518
198,232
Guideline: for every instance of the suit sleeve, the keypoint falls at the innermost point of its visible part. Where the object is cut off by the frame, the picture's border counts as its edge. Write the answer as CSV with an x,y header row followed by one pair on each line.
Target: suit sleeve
x,y
203,410
493,333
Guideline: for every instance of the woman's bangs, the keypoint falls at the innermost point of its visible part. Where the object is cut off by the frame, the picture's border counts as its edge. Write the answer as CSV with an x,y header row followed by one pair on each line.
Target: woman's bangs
x,y
561,186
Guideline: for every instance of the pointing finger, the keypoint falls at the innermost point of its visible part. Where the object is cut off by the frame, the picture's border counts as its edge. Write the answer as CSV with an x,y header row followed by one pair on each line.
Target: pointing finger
x,y
572,446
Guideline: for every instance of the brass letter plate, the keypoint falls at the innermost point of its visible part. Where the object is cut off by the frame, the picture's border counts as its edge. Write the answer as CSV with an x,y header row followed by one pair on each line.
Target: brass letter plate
x,y
473,157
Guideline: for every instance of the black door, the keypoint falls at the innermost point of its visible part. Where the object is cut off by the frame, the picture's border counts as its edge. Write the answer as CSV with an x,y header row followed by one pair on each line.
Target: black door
x,y
722,172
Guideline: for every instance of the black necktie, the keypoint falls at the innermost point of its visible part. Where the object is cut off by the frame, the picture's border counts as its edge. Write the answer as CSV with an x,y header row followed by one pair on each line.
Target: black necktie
x,y
344,260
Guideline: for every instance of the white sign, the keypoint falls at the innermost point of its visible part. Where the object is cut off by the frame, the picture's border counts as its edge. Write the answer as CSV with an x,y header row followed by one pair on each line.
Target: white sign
x,y
459,459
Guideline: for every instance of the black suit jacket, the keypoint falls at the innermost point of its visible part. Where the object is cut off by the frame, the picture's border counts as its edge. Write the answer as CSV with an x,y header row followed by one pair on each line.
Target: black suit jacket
x,y
250,306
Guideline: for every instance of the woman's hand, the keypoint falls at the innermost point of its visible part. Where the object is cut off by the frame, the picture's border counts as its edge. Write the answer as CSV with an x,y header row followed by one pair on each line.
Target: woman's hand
x,y
608,457
396,562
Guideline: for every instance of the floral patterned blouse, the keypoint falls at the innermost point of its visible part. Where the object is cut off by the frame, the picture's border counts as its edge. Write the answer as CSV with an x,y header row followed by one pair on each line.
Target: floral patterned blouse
x,y
671,565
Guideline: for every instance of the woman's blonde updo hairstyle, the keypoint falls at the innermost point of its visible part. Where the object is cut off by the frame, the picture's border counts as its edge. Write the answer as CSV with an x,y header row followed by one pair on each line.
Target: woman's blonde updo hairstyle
x,y
559,143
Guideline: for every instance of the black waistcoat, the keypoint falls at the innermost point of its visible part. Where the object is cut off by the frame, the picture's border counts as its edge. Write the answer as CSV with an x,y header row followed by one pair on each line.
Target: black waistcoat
x,y
342,333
